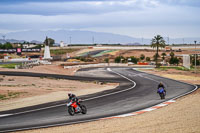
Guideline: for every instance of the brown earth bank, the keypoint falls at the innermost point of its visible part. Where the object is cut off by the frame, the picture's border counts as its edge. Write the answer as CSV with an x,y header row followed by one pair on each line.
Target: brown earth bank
x,y
54,68
183,116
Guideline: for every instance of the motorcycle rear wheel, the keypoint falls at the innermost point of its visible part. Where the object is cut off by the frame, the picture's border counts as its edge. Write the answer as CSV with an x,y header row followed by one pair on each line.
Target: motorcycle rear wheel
x,y
83,109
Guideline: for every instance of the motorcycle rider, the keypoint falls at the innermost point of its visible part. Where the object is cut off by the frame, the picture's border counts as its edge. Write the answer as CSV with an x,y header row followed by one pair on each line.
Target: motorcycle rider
x,y
73,98
161,86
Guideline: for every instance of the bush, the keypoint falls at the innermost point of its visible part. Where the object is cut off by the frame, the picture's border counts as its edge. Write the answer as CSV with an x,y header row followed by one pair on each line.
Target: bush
x,y
142,56
2,97
6,46
174,61
118,59
148,59
106,60
134,59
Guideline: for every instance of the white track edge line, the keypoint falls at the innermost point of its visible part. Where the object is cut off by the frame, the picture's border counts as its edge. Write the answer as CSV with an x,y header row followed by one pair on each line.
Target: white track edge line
x,y
83,100
196,87
163,103
160,104
107,117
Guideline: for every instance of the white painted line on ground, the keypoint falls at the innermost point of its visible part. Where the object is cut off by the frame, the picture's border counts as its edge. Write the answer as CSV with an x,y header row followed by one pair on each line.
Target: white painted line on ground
x,y
172,101
141,111
161,105
4,115
125,115
117,91
152,79
196,87
85,99
149,109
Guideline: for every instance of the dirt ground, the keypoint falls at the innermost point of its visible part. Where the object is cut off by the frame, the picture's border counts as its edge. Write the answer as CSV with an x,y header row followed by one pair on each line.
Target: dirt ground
x,y
183,116
151,53
27,91
137,53
55,68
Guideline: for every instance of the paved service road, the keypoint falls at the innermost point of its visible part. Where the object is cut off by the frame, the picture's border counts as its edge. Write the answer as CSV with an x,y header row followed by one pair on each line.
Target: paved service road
x,y
137,90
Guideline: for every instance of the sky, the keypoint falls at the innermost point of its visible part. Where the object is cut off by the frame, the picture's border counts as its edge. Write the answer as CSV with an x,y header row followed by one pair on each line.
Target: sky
x,y
135,18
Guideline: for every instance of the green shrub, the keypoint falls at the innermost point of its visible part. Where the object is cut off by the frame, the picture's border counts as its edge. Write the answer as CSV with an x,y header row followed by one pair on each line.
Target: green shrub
x,y
2,97
134,59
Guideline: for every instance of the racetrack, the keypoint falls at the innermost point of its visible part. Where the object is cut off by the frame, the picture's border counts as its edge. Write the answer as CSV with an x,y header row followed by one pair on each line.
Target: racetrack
x,y
137,91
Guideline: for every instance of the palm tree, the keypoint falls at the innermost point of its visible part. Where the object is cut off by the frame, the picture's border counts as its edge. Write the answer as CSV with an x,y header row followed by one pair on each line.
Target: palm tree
x,y
157,42
163,56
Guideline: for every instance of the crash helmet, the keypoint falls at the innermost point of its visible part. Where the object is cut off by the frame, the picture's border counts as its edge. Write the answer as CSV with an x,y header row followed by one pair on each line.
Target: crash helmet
x,y
70,94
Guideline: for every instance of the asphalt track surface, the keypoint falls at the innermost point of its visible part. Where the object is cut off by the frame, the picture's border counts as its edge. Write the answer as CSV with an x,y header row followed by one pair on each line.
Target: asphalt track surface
x,y
137,90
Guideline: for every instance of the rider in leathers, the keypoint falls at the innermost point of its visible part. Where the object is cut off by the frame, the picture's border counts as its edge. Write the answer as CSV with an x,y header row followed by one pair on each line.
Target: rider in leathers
x,y
73,98
161,86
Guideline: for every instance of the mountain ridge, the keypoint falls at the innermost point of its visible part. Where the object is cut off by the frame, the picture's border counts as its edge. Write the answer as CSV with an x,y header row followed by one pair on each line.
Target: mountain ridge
x,y
87,37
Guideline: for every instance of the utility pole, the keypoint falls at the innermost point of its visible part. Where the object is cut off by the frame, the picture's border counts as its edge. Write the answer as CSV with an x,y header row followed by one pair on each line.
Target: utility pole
x,y
4,38
93,40
142,41
168,40
70,39
195,42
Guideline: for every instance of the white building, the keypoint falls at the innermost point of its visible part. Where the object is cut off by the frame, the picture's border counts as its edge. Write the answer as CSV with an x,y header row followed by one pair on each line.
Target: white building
x,y
62,44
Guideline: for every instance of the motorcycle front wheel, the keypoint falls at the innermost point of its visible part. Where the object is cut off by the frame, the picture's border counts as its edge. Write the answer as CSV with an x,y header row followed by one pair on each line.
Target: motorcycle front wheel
x,y
71,111
162,96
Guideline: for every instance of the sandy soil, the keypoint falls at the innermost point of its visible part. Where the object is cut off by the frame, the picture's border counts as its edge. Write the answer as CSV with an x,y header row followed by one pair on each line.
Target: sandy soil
x,y
185,76
55,68
151,53
183,116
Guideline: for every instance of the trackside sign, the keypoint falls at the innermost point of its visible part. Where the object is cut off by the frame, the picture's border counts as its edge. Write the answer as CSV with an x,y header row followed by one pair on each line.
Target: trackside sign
x,y
19,50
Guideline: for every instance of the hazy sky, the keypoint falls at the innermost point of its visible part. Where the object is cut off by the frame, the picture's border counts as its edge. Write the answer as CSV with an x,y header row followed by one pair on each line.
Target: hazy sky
x,y
136,18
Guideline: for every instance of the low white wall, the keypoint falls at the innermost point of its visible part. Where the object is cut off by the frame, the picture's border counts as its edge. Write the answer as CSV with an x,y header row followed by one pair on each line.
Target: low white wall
x,y
95,65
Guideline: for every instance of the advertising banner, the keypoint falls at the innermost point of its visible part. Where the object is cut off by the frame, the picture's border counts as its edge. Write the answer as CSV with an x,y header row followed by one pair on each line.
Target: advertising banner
x,y
20,50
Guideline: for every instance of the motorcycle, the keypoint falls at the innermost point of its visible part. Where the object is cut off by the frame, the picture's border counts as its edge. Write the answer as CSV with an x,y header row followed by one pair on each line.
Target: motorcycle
x,y
161,92
76,107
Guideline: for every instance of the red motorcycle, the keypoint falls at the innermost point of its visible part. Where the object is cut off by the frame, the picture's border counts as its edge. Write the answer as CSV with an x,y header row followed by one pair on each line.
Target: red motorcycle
x,y
76,107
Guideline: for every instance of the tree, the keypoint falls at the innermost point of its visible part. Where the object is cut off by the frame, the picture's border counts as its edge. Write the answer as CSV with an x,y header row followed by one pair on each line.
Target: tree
x,y
148,58
7,45
118,59
50,41
156,56
157,42
142,56
163,56
172,54
192,58
134,59
174,60
106,60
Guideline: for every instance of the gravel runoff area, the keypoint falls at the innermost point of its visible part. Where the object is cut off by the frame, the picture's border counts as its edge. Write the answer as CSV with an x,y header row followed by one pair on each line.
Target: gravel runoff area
x,y
183,116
